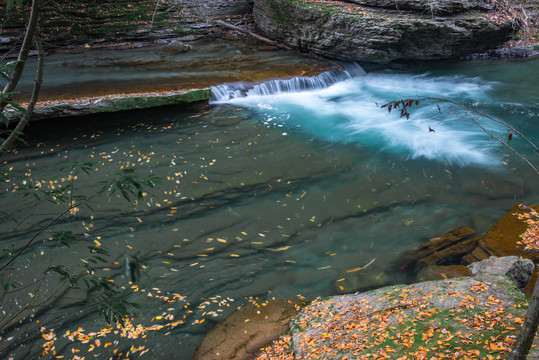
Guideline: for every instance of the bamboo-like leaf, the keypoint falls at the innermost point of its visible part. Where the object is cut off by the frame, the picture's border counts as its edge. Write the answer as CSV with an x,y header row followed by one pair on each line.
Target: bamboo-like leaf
x,y
5,75
16,106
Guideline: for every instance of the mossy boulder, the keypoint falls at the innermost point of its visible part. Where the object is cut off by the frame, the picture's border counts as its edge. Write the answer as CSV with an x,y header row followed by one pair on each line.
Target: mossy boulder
x,y
376,34
457,318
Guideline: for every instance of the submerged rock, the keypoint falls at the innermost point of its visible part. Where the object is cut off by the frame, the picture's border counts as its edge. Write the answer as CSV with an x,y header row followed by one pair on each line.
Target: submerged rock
x,y
441,250
246,330
503,239
376,34
436,272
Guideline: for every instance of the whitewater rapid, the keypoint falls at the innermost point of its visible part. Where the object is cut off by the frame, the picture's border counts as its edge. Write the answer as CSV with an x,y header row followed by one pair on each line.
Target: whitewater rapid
x,y
344,106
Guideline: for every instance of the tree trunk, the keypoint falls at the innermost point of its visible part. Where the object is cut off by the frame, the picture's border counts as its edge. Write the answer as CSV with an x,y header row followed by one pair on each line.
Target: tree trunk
x,y
529,328
23,53
15,133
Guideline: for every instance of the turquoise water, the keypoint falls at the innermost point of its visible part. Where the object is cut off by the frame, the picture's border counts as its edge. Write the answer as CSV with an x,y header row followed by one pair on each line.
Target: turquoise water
x,y
283,190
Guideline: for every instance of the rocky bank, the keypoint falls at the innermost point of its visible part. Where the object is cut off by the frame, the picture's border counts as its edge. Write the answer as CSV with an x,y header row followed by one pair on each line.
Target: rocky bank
x,y
378,31
77,24
474,312
382,31
470,318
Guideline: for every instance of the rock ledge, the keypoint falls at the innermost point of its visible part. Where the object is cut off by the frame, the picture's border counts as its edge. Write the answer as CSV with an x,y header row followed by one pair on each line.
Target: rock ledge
x,y
381,34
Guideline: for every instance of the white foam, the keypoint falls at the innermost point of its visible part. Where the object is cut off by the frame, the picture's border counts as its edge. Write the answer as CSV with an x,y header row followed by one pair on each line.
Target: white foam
x,y
348,111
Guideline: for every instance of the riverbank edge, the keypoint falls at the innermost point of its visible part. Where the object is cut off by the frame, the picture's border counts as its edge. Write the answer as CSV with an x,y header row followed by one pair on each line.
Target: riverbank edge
x,y
442,309
112,103
333,318
76,107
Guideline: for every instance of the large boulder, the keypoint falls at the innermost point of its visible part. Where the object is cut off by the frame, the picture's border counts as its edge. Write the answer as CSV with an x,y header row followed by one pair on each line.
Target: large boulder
x,y
517,269
467,318
417,31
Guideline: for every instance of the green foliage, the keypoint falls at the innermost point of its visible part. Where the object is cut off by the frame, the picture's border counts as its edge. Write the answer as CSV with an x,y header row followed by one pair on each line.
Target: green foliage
x,y
64,273
10,4
129,186
105,294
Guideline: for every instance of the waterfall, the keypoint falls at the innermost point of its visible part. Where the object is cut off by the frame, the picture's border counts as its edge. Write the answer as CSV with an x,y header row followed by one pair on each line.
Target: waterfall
x,y
342,106
225,92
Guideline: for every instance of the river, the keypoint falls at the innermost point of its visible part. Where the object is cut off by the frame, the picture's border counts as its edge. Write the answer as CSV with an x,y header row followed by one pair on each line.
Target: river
x,y
290,189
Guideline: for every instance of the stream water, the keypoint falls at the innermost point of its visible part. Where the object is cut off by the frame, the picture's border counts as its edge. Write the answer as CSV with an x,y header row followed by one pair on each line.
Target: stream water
x,y
289,189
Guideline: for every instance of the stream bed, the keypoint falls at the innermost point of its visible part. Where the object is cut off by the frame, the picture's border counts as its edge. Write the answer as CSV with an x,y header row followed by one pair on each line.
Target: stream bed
x,y
290,189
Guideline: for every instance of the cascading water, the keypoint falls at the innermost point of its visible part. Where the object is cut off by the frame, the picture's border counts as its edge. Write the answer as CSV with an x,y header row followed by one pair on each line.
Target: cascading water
x,y
226,92
343,106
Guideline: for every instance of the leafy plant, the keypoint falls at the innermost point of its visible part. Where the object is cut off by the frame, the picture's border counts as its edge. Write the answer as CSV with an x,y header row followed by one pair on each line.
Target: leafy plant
x,y
105,294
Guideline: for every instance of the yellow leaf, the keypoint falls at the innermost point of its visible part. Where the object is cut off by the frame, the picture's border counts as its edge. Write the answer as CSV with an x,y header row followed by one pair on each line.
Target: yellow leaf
x,y
361,267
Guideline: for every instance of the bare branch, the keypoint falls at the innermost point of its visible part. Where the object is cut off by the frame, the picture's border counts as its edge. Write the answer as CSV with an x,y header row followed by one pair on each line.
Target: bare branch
x,y
23,53
470,113
33,100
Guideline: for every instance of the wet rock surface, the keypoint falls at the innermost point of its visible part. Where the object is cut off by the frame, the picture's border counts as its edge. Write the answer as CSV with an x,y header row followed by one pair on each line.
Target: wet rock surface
x,y
504,237
246,330
113,104
176,47
376,34
498,251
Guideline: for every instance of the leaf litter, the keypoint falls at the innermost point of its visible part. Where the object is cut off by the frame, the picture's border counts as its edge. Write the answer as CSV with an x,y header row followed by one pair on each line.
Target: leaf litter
x,y
468,318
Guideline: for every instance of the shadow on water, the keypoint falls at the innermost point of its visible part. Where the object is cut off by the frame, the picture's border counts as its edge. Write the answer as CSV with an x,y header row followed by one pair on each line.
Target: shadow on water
x,y
293,192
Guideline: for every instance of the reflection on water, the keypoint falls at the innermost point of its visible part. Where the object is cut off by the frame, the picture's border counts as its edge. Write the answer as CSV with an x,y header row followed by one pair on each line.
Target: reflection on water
x,y
264,196
211,62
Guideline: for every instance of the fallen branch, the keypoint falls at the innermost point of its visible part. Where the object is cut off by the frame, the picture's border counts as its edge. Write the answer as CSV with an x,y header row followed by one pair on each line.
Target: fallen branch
x,y
250,33
271,42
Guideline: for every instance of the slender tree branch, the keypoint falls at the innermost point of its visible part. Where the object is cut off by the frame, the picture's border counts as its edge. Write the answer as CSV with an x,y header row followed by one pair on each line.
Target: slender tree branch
x,y
33,100
402,106
509,126
501,141
23,53
154,12
529,328
48,225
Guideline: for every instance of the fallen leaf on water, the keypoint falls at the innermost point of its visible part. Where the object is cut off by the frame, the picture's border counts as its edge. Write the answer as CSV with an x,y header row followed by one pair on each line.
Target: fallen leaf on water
x,y
361,267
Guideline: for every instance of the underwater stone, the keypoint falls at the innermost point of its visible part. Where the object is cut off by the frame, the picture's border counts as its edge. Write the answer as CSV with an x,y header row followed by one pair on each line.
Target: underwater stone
x,y
246,330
